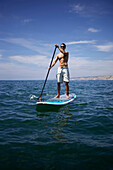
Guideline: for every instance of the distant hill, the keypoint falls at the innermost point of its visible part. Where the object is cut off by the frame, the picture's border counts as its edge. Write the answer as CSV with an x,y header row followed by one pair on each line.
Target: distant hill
x,y
94,78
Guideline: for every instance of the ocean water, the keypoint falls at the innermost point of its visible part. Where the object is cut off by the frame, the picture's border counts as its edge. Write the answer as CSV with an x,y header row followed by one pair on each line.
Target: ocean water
x,y
77,136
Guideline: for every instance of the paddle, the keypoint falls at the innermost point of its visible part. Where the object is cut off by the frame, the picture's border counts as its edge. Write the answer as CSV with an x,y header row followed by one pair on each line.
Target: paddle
x,y
47,74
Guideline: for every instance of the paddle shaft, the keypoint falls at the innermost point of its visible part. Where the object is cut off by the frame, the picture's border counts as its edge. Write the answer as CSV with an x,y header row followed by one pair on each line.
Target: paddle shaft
x,y
47,73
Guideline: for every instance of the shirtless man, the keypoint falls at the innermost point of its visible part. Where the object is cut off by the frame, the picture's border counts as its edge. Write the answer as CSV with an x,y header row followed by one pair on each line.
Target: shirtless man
x,y
63,72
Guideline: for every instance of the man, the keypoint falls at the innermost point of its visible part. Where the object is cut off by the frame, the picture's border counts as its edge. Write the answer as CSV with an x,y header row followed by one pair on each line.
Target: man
x,y
63,72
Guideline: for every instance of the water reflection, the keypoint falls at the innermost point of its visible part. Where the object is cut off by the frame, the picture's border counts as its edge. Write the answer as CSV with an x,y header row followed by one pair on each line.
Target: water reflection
x,y
55,123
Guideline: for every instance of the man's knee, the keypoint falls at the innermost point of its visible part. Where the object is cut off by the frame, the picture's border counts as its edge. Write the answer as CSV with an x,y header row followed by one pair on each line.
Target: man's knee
x,y
66,83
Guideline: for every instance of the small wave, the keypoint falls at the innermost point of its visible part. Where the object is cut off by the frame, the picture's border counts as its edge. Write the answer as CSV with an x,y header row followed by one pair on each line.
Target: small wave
x,y
33,97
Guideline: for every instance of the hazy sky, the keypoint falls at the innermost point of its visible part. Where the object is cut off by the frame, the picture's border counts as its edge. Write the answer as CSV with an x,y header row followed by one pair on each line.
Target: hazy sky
x,y
30,28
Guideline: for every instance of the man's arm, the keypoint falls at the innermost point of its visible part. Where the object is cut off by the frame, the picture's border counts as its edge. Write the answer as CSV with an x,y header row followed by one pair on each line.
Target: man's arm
x,y
54,62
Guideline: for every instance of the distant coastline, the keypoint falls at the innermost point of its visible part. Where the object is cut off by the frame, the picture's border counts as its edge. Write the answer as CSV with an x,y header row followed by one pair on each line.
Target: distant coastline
x,y
94,78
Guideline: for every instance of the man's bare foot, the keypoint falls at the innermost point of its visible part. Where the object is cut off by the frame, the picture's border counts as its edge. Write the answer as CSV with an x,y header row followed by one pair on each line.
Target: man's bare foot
x,y
67,96
57,96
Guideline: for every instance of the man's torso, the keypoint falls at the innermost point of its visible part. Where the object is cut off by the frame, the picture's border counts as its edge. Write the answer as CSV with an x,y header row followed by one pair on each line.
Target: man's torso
x,y
63,59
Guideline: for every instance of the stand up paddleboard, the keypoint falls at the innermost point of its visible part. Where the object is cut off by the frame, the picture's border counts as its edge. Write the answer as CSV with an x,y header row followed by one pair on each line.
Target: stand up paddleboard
x,y
57,101
54,104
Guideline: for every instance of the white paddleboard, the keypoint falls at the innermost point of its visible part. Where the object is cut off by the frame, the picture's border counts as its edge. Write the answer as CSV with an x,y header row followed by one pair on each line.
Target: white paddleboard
x,y
57,101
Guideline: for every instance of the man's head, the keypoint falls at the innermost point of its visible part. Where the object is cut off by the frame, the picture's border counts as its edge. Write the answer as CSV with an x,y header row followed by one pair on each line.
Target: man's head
x,y
63,46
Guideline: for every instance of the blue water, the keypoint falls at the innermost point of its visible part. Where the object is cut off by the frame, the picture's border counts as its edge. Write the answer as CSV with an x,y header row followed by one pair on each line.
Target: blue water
x,y
76,136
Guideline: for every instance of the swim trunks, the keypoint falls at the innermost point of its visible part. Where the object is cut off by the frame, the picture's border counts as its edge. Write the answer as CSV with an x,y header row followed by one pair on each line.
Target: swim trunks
x,y
62,74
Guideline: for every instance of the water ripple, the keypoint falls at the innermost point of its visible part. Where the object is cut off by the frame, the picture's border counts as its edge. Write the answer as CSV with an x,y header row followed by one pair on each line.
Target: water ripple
x,y
77,135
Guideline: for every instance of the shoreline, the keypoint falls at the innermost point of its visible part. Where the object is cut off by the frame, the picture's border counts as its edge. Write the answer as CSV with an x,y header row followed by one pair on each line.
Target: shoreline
x,y
94,78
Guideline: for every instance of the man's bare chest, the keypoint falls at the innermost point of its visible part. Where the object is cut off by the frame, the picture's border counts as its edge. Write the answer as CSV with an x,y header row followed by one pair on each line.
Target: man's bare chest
x,y
61,56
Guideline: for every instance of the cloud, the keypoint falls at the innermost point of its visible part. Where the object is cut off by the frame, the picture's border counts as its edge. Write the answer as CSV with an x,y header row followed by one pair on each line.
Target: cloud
x,y
30,44
77,8
12,71
0,56
83,66
78,66
105,48
37,60
91,9
27,20
81,42
93,30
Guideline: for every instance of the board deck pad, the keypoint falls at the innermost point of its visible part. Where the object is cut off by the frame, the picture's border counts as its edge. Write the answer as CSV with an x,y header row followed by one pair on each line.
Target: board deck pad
x,y
62,100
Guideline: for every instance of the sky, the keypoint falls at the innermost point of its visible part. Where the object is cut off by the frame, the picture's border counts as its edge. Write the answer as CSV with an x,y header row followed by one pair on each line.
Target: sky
x,y
29,29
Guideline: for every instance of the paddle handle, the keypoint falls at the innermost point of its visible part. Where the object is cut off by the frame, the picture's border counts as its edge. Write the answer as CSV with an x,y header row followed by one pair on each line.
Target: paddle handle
x,y
48,72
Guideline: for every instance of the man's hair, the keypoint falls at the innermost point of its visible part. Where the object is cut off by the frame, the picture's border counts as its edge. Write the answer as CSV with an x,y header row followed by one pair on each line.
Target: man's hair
x,y
64,45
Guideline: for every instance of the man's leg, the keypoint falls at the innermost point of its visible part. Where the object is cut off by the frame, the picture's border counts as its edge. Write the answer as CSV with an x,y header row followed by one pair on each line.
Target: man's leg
x,y
58,90
67,90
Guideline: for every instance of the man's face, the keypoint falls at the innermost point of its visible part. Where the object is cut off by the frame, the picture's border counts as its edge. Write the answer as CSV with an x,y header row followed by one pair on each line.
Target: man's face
x,y
62,46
